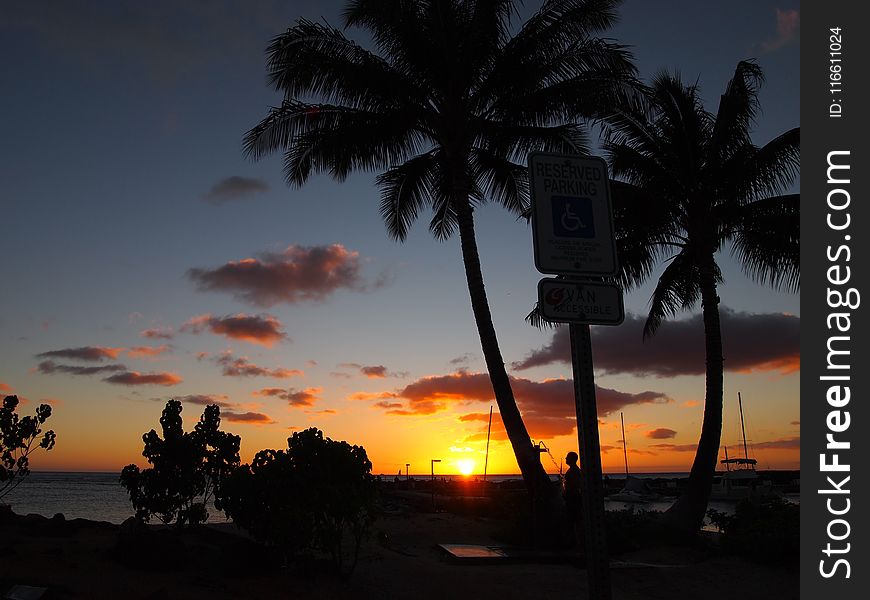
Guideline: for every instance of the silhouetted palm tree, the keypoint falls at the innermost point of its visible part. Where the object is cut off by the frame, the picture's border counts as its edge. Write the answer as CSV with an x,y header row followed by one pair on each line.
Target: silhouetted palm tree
x,y
694,183
445,109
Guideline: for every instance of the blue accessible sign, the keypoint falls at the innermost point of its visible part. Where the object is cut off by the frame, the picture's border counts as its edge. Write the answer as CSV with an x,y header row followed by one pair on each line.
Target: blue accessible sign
x,y
572,224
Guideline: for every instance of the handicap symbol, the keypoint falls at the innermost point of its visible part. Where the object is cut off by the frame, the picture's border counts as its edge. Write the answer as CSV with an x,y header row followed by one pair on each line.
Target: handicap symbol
x,y
570,221
572,217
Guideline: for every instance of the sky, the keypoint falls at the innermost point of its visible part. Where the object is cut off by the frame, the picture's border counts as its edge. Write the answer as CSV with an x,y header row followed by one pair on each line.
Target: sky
x,y
144,258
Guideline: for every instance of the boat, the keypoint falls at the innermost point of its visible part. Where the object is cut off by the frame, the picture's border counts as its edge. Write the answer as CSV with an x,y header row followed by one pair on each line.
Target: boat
x,y
740,479
635,489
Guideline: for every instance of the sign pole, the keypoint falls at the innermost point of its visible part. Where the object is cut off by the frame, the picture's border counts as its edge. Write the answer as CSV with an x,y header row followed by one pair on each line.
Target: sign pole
x,y
597,561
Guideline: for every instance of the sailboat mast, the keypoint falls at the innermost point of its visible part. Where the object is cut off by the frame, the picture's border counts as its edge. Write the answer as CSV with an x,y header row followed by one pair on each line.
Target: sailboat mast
x,y
742,428
488,429
624,451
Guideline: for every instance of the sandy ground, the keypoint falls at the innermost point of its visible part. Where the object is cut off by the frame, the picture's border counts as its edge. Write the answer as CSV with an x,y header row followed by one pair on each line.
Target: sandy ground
x,y
82,559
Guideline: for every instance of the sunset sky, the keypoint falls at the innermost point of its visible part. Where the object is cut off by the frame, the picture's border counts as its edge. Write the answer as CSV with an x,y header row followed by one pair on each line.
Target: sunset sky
x,y
143,258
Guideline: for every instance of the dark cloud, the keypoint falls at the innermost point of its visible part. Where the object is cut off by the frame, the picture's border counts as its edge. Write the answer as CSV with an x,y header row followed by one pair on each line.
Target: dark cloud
x,y
85,353
253,418
256,329
389,406
662,433
158,333
547,406
205,400
676,447
793,443
299,274
136,378
751,342
49,367
233,188
370,371
293,396
240,366
461,361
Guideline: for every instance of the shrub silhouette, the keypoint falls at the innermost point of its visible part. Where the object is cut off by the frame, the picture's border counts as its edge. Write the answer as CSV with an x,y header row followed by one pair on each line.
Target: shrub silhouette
x,y
17,436
766,530
312,496
186,470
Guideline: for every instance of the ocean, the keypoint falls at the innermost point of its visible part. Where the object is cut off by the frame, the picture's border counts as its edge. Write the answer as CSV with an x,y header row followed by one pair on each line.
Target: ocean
x,y
93,496
100,497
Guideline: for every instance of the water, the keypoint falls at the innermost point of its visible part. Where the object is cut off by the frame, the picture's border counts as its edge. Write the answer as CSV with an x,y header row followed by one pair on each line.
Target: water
x,y
93,496
100,497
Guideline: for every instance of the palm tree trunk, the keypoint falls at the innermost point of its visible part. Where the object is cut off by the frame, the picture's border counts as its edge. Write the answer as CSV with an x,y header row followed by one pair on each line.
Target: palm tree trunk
x,y
528,457
687,513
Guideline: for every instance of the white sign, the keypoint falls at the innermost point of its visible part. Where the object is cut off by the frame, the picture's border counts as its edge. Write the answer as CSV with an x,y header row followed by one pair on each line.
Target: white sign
x,y
572,225
563,301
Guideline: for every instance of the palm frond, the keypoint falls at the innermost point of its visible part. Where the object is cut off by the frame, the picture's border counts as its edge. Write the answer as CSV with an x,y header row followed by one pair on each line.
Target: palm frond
x,y
767,242
754,173
677,289
338,139
502,181
405,190
313,59
536,320
738,107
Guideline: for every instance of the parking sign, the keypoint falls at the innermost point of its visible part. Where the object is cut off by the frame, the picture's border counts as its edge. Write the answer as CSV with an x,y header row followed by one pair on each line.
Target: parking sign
x,y
572,224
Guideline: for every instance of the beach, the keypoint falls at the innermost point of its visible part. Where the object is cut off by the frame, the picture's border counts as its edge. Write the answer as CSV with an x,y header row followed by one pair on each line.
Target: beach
x,y
401,558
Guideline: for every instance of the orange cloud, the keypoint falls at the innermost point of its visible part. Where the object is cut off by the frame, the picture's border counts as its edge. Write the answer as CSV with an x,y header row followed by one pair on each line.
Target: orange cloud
x,y
547,406
136,378
148,351
4,387
299,274
786,365
787,28
85,353
293,396
372,396
256,329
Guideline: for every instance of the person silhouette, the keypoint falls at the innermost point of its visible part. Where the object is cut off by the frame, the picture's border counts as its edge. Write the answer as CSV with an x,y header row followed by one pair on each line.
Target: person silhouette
x,y
572,496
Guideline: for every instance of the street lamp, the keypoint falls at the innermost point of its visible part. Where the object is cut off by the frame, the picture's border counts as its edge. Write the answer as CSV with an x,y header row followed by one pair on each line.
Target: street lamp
x,y
432,465
407,477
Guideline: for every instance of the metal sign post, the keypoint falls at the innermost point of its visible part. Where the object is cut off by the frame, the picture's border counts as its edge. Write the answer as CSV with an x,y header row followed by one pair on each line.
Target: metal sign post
x,y
573,235
592,487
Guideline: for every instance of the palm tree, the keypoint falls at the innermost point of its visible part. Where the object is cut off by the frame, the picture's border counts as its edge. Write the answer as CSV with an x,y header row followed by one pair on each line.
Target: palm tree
x,y
444,110
694,183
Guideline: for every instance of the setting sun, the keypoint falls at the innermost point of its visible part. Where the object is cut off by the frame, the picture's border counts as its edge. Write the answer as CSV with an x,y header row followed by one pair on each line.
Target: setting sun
x,y
465,466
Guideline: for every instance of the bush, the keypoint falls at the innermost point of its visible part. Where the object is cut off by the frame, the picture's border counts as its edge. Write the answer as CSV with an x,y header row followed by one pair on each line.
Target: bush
x,y
310,497
17,436
767,531
187,468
